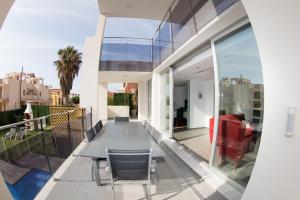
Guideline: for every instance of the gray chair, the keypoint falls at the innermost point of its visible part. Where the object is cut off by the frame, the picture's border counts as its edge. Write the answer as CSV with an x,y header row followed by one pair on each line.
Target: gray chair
x,y
100,124
130,166
11,133
157,136
97,129
149,128
145,123
121,119
20,134
90,134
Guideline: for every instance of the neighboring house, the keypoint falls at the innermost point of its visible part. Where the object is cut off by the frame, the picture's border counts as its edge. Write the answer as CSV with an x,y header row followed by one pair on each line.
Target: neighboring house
x,y
130,88
56,97
16,89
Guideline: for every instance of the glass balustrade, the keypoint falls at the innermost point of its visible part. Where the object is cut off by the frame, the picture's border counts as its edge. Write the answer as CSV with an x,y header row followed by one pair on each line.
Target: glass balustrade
x,y
126,54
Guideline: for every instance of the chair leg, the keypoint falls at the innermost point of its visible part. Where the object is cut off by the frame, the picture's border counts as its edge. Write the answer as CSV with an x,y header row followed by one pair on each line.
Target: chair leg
x,y
92,173
96,172
149,191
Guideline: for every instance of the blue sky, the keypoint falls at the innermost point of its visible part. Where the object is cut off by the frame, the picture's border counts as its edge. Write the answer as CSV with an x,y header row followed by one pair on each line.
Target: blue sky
x,y
35,29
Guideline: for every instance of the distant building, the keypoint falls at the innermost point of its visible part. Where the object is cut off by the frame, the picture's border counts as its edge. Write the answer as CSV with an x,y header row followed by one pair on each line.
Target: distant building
x,y
56,97
17,88
130,88
239,95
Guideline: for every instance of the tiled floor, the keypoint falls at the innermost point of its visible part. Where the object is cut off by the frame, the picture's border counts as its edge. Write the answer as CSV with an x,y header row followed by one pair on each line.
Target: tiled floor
x,y
176,181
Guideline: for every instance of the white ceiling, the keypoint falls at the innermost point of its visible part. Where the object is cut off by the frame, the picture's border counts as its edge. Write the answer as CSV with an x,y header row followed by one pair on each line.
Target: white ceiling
x,y
123,77
147,9
199,67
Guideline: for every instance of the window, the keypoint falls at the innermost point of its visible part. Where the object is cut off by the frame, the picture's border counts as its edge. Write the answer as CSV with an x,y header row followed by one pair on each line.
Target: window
x,y
206,10
183,27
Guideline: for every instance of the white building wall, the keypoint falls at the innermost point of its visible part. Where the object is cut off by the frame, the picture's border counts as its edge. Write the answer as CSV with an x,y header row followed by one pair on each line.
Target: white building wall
x,y
13,94
143,100
117,111
156,103
201,109
89,76
276,26
102,101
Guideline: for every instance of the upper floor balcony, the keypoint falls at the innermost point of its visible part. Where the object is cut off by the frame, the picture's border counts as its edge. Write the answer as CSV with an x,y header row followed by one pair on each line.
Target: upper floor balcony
x,y
182,20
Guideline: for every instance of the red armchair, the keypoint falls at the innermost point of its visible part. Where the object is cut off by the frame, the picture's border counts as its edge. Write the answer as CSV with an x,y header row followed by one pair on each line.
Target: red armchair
x,y
233,138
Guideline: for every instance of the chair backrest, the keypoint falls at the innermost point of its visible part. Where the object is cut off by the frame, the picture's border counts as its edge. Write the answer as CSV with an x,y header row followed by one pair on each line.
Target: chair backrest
x,y
145,123
90,134
129,164
13,130
96,129
121,119
100,124
156,135
149,128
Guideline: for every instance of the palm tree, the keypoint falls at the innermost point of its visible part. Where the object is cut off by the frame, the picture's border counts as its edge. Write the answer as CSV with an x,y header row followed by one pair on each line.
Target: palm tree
x,y
67,67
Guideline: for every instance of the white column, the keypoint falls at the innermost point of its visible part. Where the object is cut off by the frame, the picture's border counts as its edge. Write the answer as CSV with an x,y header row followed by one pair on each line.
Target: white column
x,y
171,108
102,101
89,73
143,100
156,103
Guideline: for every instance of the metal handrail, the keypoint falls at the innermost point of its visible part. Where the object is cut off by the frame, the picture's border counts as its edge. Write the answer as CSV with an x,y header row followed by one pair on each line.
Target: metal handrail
x,y
33,120
137,38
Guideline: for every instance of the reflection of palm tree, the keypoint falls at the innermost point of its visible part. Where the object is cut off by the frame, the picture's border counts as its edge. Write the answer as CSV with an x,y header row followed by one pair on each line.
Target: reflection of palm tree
x,y
67,67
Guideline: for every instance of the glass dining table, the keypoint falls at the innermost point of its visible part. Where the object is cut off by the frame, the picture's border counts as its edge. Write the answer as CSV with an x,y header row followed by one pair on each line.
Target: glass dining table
x,y
121,136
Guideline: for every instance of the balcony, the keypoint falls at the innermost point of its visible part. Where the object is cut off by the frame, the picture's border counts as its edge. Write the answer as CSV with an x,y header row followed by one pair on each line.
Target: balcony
x,y
181,22
126,54
175,179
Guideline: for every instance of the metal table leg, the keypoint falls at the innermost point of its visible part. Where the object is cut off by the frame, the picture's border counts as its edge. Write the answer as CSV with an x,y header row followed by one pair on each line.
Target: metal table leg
x,y
96,171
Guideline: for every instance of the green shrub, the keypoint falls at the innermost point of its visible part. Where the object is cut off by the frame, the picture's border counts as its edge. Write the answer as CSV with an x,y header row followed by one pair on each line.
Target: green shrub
x,y
119,99
12,116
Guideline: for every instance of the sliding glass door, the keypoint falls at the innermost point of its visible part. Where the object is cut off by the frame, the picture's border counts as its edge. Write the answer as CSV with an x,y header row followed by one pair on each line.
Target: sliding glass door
x,y
227,134
241,104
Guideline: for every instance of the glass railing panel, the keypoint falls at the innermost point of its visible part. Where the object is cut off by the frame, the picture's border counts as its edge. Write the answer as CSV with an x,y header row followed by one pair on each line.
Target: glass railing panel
x,y
114,49
165,38
206,10
36,149
183,26
126,54
156,50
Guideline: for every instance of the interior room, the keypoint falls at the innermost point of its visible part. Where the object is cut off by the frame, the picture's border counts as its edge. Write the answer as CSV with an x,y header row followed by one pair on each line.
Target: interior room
x,y
193,99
